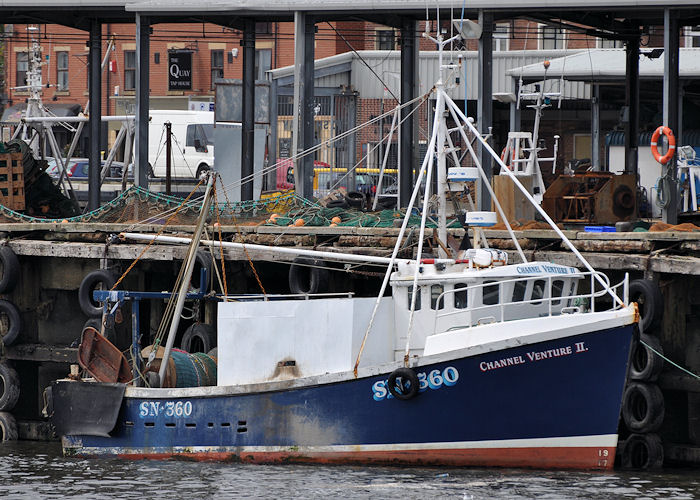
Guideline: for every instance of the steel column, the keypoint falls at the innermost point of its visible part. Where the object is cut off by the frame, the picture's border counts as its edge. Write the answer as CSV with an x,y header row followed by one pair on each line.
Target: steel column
x,y
142,91
303,138
274,131
485,102
632,106
514,115
248,113
670,104
595,126
409,47
95,111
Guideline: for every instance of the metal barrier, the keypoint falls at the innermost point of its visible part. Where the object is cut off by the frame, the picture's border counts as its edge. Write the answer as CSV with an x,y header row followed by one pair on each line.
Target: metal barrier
x,y
546,296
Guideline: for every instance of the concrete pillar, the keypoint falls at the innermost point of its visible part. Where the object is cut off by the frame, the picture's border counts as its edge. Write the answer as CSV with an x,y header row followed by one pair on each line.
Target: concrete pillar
x,y
595,126
485,102
670,103
248,113
632,106
95,114
143,29
409,49
303,134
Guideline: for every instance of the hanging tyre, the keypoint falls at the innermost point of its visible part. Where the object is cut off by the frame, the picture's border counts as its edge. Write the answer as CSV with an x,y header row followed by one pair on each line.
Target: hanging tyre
x,y
308,276
9,269
650,301
199,337
355,199
9,387
10,322
646,364
96,323
100,279
403,383
642,451
8,427
643,407
203,260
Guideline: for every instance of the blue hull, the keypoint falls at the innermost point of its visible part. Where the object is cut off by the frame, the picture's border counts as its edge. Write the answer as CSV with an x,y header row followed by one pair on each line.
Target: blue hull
x,y
551,404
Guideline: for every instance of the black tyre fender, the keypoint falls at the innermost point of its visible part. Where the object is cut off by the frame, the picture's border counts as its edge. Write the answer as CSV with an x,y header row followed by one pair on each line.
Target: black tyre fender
x,y
9,387
405,390
337,204
10,269
199,336
645,364
8,427
643,407
99,278
355,199
96,323
308,276
642,451
203,167
10,322
650,301
203,259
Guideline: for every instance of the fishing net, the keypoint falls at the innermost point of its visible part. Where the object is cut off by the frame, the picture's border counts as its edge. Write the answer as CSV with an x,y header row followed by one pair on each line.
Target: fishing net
x,y
138,205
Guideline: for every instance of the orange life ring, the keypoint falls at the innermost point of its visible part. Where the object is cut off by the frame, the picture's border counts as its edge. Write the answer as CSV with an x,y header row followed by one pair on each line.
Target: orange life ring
x,y
671,144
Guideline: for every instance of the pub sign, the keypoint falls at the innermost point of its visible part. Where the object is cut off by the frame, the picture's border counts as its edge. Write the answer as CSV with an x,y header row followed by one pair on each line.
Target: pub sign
x,y
180,70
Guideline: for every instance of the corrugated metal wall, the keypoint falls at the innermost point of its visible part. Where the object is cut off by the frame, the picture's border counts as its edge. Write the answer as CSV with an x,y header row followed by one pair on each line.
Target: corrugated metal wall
x,y
387,66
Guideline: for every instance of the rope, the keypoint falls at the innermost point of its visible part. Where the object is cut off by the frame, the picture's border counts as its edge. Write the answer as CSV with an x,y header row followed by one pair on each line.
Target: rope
x,y
668,360
245,250
154,239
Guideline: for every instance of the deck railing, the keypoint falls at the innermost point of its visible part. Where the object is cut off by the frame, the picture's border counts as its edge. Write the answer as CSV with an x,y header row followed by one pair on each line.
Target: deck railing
x,y
580,300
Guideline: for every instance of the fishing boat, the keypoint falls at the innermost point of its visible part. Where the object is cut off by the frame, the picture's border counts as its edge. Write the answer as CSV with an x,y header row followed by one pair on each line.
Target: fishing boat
x,y
469,361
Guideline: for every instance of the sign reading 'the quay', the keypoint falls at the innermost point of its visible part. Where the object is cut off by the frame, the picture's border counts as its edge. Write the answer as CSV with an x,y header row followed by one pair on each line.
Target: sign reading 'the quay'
x,y
180,71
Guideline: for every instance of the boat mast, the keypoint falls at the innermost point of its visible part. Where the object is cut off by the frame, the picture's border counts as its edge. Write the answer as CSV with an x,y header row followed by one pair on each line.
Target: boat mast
x,y
187,275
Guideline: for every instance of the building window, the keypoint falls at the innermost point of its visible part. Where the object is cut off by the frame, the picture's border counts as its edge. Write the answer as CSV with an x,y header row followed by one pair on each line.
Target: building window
x,y
22,67
62,71
501,36
386,40
692,36
129,70
263,63
263,28
604,43
217,66
552,38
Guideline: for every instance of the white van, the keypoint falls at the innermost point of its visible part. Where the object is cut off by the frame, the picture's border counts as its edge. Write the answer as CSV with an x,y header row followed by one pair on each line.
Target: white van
x,y
192,142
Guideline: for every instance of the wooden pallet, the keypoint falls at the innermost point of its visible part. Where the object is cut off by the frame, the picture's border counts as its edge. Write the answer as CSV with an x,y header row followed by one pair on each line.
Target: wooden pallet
x,y
12,181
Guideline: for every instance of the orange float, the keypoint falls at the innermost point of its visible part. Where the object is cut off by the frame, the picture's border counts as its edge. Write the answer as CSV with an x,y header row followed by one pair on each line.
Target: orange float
x,y
671,144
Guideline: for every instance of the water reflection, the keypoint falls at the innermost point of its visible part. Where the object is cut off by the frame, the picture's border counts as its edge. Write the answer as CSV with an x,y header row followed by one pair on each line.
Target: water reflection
x,y
32,470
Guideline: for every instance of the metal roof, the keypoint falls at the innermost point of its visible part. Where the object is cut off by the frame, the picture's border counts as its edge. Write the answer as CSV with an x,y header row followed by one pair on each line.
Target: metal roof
x,y
348,68
607,65
161,6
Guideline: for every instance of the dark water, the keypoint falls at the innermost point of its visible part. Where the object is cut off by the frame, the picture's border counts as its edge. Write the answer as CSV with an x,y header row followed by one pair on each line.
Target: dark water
x,y
37,470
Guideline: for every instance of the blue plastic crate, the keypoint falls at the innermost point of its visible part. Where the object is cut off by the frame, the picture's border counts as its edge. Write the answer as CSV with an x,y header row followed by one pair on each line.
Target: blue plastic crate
x,y
599,229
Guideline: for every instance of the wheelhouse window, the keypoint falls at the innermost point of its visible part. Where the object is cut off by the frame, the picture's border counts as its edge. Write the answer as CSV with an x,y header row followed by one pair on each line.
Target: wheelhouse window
x,y
129,70
460,296
557,289
22,67
410,297
538,291
519,288
62,71
435,292
217,66
491,294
